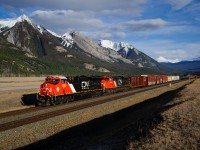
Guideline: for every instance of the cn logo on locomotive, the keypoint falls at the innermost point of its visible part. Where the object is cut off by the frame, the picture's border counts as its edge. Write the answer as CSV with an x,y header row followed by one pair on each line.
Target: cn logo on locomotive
x,y
120,82
85,85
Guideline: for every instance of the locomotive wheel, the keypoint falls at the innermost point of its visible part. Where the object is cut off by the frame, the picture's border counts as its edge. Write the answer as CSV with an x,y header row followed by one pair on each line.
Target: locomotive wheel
x,y
45,103
72,98
52,102
92,95
58,100
64,99
61,99
38,103
98,93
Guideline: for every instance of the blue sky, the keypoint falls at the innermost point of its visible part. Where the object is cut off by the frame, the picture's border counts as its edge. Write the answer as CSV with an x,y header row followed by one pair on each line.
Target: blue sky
x,y
164,30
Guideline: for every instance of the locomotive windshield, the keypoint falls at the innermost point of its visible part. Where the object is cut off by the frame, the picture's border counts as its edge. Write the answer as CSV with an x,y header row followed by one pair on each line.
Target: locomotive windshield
x,y
52,81
55,81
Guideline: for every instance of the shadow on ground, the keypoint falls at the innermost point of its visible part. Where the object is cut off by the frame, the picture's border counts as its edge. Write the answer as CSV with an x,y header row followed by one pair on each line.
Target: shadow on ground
x,y
28,99
112,131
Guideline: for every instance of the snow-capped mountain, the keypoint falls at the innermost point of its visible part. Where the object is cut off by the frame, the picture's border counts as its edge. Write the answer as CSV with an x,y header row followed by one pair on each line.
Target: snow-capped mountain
x,y
187,66
117,46
67,39
34,39
90,47
109,51
9,23
129,52
77,50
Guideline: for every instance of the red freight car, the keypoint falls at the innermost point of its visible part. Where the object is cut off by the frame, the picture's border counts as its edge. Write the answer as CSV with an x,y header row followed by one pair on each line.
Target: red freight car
x,y
156,79
138,81
192,76
159,79
165,78
151,79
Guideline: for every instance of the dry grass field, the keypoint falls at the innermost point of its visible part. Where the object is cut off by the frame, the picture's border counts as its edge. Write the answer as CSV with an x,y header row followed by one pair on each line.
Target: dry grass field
x,y
18,92
179,127
20,81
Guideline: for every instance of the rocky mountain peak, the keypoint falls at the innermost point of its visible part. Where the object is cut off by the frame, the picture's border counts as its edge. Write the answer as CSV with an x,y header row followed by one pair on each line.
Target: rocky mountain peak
x,y
9,23
91,48
39,41
23,18
35,40
67,39
118,46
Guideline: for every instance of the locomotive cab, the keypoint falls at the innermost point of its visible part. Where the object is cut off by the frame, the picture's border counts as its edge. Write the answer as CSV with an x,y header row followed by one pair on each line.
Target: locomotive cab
x,y
54,88
107,82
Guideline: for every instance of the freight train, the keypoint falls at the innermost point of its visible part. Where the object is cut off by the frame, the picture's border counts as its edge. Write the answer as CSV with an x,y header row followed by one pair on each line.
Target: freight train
x,y
61,89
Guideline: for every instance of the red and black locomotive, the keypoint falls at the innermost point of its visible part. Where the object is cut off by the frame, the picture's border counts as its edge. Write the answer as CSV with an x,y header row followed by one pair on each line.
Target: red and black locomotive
x,y
59,89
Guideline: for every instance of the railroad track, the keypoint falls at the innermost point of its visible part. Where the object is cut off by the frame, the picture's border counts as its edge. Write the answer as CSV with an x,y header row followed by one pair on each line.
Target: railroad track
x,y
62,109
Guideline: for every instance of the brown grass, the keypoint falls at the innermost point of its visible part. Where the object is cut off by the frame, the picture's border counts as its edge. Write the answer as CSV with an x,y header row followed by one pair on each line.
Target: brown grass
x,y
20,81
12,97
180,126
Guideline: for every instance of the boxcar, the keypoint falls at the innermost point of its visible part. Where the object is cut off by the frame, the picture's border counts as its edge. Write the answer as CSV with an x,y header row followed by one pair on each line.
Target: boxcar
x,y
169,78
151,79
138,81
159,79
175,78
165,78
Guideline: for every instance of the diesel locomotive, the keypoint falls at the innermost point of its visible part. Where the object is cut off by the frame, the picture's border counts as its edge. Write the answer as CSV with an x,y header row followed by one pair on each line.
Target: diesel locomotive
x,y
59,89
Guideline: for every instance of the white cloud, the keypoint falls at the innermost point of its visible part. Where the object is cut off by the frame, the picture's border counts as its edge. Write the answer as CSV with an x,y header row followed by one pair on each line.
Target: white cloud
x,y
104,35
111,7
163,59
178,4
62,21
143,25
173,53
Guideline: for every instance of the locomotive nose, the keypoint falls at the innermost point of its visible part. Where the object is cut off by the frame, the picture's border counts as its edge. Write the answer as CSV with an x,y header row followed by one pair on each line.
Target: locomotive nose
x,y
46,89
